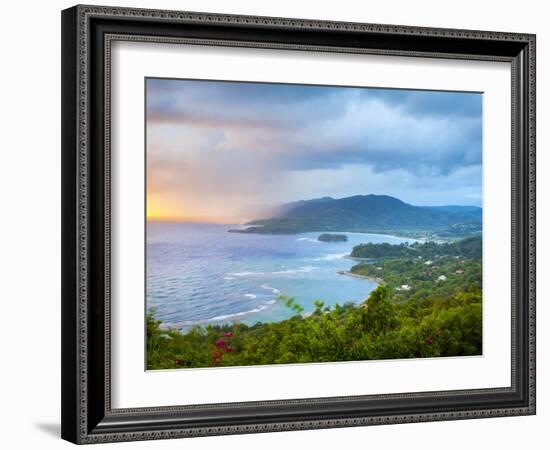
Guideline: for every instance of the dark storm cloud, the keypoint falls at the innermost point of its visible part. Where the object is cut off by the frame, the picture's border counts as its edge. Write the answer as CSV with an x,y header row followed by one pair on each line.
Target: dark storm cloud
x,y
429,103
263,131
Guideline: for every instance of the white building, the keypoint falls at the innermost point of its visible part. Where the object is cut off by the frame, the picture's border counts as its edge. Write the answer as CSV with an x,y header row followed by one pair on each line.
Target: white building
x,y
441,278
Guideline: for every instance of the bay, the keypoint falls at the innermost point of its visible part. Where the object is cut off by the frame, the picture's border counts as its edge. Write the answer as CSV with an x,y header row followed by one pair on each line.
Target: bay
x,y
201,274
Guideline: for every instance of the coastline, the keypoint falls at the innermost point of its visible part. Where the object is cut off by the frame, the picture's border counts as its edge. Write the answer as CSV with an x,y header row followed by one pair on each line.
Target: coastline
x,y
185,327
377,280
286,233
357,258
249,310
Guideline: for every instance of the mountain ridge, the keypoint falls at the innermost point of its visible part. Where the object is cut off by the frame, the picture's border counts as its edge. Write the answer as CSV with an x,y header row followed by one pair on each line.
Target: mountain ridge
x,y
363,213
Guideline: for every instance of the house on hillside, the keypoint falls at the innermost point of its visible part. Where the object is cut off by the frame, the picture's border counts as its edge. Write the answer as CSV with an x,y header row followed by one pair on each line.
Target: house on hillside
x,y
460,271
441,278
403,287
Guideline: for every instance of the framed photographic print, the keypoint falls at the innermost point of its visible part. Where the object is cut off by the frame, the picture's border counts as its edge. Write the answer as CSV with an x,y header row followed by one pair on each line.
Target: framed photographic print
x,y
281,224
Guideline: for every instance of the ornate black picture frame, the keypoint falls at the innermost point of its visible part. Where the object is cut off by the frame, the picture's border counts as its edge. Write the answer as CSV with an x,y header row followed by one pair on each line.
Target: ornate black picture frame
x,y
87,34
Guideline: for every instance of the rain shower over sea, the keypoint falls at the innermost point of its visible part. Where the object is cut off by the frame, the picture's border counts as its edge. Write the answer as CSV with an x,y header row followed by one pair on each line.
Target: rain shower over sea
x,y
201,274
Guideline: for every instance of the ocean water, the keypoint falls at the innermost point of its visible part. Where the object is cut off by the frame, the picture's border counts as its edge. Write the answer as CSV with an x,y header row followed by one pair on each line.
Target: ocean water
x,y
202,274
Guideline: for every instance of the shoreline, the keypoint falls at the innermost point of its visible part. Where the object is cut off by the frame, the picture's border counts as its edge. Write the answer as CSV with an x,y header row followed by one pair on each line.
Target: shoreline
x,y
376,280
357,258
185,327
294,233
250,317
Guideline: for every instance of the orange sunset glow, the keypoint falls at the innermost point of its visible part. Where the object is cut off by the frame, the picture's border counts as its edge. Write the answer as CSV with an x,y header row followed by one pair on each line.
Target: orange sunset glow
x,y
159,209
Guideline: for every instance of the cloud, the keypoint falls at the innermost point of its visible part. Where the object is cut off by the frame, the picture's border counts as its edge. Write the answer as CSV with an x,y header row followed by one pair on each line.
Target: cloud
x,y
320,126
261,105
429,103
258,142
388,138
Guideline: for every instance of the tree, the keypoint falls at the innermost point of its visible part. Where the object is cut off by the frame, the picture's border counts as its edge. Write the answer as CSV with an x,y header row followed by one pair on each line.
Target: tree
x,y
379,313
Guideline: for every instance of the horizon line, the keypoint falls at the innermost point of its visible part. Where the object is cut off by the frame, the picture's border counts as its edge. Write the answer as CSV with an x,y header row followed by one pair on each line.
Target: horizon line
x,y
235,221
197,219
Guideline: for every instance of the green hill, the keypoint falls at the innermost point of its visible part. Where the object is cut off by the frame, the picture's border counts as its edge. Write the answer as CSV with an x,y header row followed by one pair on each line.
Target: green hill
x,y
366,213
470,247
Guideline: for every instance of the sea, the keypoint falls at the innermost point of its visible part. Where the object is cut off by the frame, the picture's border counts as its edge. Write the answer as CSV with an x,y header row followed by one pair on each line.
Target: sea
x,y
199,274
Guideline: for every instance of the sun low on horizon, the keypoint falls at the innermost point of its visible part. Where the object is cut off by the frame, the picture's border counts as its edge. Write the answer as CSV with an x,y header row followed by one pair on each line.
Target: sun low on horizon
x,y
160,210
165,212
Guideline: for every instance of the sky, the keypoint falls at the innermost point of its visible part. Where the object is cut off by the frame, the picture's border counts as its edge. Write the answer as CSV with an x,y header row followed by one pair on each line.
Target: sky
x,y
228,151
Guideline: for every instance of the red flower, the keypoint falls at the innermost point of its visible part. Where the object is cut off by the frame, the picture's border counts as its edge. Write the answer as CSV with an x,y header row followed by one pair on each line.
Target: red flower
x,y
227,334
429,340
220,343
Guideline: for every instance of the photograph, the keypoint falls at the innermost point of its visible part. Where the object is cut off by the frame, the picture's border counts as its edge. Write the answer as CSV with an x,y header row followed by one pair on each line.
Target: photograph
x,y
282,220
296,223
